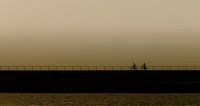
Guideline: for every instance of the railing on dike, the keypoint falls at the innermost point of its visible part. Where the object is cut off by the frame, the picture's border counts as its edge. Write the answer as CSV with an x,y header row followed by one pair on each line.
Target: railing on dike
x,y
96,68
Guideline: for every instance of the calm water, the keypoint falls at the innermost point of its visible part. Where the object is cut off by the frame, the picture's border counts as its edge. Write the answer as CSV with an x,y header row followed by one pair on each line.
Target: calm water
x,y
107,99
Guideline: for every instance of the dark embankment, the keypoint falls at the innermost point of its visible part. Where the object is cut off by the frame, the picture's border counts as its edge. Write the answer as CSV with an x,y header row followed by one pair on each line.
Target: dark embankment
x,y
100,81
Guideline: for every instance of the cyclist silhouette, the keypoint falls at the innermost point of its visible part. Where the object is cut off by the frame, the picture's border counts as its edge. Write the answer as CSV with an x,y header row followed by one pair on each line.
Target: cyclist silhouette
x,y
144,66
134,67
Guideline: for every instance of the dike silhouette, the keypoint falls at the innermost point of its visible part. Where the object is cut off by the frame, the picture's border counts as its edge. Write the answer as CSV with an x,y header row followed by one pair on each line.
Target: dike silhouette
x,y
100,79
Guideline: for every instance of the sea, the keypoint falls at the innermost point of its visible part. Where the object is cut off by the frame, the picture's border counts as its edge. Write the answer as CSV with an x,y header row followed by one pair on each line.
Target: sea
x,y
99,99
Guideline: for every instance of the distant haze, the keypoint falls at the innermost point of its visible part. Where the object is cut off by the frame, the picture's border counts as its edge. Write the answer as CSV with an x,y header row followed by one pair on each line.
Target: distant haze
x,y
99,32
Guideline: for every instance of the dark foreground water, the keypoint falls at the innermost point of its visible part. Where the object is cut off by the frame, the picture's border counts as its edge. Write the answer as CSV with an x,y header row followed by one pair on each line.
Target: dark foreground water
x,y
94,99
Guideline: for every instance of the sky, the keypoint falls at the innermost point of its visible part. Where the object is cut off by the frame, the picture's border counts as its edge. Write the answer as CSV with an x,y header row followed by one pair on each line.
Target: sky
x,y
99,32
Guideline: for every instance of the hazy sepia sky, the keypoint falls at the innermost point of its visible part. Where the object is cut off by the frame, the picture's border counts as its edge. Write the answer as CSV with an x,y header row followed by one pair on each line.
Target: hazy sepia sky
x,y
99,32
